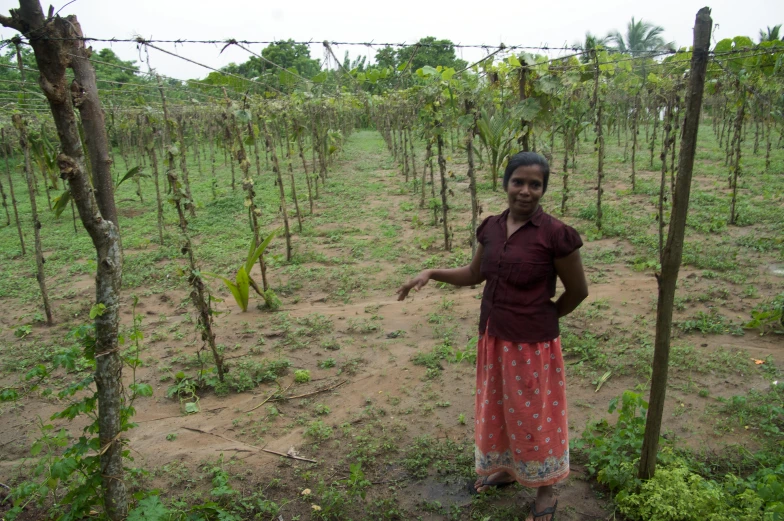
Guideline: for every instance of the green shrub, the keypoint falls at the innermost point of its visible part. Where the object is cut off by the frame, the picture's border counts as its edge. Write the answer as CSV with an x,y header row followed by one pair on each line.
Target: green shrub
x,y
302,376
768,317
673,494
610,447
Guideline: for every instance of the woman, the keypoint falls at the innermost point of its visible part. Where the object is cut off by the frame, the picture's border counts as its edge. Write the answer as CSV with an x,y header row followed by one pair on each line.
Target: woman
x,y
521,420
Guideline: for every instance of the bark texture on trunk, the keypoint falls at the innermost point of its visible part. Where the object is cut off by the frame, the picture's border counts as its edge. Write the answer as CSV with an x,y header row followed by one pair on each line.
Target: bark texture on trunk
x,y
57,47
13,196
40,274
673,251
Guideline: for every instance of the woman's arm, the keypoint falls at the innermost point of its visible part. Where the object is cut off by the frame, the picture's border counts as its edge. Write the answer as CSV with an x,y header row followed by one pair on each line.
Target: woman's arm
x,y
466,276
570,271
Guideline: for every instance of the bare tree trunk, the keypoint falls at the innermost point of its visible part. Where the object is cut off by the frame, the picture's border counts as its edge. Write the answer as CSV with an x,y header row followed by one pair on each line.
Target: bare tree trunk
x,y
428,155
565,193
304,165
663,179
525,126
252,134
231,164
598,107
189,205
673,251
5,203
472,175
276,169
199,295
412,154
21,126
738,138
7,151
313,144
654,133
57,45
156,180
394,143
290,161
444,206
768,144
404,140
635,133
198,149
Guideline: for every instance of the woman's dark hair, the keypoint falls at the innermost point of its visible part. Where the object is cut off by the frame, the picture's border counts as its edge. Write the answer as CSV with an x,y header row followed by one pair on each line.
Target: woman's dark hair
x,y
527,159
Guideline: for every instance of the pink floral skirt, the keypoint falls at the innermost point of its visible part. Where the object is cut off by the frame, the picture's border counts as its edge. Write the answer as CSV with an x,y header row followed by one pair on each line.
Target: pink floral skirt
x,y
521,417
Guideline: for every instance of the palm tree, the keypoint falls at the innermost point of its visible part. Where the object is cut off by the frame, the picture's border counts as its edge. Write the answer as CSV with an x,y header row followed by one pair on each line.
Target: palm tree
x,y
771,35
590,43
640,37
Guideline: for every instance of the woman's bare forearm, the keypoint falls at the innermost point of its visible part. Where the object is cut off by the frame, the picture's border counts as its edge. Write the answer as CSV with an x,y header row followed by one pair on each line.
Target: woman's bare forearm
x,y
568,302
464,276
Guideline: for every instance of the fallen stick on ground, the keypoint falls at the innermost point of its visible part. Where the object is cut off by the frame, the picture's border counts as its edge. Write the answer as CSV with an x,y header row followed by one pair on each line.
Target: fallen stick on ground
x,y
311,394
290,456
219,436
269,398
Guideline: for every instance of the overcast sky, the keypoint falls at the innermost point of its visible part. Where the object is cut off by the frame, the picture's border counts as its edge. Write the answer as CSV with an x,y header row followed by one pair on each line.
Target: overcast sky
x,y
550,22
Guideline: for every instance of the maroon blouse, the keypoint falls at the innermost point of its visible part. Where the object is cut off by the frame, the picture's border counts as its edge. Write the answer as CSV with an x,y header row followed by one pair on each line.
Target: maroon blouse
x,y
520,276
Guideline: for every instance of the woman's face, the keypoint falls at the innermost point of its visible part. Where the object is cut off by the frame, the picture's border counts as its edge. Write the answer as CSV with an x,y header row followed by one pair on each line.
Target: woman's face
x,y
525,188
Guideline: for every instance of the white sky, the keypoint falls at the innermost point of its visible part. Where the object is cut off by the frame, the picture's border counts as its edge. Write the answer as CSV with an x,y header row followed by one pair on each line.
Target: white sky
x,y
548,22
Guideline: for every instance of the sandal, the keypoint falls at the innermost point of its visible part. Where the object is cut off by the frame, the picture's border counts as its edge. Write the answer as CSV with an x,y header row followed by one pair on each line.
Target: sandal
x,y
549,511
485,483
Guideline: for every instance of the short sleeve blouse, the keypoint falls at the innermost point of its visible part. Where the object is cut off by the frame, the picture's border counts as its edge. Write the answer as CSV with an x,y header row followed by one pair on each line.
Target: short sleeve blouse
x,y
520,276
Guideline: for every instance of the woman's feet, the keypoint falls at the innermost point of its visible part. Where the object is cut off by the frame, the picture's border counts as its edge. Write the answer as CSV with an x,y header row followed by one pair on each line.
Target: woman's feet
x,y
544,505
499,479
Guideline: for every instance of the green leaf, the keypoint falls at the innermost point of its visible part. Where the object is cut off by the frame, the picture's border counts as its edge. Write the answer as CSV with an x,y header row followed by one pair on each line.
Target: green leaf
x,y
61,203
97,310
243,288
63,468
129,174
513,61
149,509
321,77
427,71
447,74
260,250
141,389
191,408
36,449
8,395
232,287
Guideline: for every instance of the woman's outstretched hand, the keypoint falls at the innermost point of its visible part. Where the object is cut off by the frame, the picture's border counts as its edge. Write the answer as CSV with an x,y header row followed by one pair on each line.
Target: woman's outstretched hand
x,y
416,284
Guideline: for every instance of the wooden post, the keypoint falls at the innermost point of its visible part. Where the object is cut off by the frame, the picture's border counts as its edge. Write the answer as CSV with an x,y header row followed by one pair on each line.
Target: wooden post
x,y
469,141
24,143
442,171
57,44
7,152
673,251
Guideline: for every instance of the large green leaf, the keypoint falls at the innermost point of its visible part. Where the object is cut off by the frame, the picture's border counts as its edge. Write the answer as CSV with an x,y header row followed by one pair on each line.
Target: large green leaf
x,y
61,203
253,255
243,288
232,287
129,174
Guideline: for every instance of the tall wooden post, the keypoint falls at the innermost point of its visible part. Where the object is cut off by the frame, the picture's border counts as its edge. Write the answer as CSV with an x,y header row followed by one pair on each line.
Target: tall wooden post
x,y
673,251
57,45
